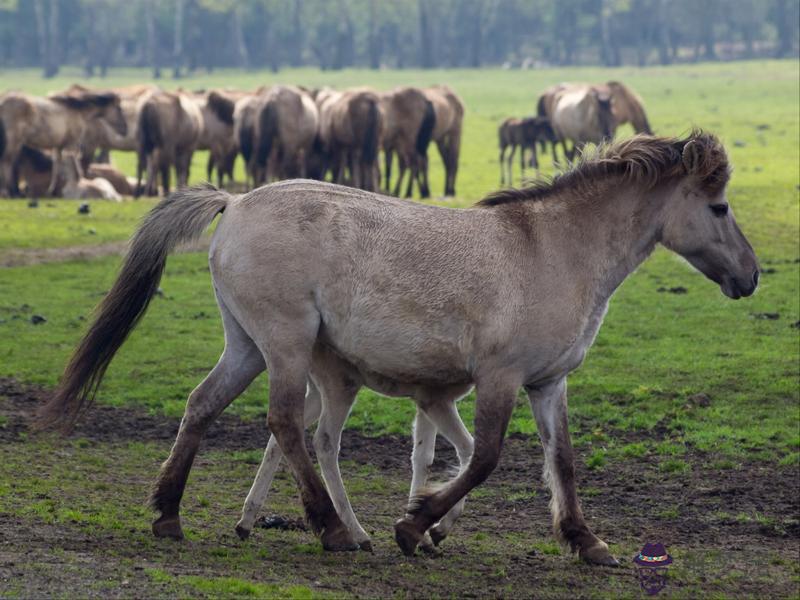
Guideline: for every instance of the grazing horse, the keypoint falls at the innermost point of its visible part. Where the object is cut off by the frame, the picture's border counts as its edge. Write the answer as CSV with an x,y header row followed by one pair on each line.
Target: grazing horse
x,y
581,116
350,129
286,124
409,121
245,112
525,133
58,122
351,288
626,107
169,129
449,110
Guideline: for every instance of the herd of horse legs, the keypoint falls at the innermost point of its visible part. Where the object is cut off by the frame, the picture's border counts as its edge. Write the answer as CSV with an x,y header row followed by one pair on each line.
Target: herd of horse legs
x,y
362,289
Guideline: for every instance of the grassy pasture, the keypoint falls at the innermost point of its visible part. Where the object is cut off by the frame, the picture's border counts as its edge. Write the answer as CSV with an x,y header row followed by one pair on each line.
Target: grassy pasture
x,y
676,382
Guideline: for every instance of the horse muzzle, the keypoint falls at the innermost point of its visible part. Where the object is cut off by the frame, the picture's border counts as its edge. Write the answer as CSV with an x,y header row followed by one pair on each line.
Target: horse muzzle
x,y
735,288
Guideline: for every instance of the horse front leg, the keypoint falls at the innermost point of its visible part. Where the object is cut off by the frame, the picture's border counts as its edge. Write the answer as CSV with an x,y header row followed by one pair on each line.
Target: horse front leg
x,y
492,413
56,173
549,405
269,465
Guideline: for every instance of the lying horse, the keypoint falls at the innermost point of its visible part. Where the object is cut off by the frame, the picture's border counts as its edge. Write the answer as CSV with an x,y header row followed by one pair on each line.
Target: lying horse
x,y
422,301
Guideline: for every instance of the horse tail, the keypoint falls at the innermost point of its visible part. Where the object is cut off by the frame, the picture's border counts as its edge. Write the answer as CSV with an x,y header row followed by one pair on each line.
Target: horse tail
x,y
149,129
2,138
372,133
541,106
425,132
180,217
246,142
268,121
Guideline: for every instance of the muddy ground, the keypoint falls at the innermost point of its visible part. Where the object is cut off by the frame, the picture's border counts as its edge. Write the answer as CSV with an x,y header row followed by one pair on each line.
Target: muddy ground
x,y
731,531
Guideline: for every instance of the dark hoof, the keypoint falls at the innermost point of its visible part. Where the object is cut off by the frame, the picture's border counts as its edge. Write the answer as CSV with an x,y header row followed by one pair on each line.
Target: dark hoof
x,y
406,536
427,546
437,536
242,532
168,527
366,546
338,539
599,555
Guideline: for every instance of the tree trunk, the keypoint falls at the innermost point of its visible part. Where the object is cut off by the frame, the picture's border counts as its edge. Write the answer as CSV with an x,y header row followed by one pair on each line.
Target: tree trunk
x,y
41,30
708,16
177,48
476,46
426,43
373,43
52,58
785,27
153,55
238,38
663,33
296,58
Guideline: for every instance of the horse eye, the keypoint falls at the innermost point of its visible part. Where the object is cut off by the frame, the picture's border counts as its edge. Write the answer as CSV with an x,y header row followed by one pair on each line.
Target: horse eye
x,y
719,210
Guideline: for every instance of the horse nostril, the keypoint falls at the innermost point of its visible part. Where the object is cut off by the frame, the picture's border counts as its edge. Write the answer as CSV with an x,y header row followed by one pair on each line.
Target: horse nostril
x,y
755,278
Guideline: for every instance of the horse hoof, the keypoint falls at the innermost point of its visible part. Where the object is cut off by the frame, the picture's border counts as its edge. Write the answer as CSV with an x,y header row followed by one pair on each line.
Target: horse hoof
x,y
169,527
428,547
338,539
242,532
599,555
406,536
366,546
437,536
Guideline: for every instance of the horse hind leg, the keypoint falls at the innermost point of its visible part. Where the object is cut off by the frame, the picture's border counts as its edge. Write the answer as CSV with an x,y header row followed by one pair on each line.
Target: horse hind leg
x,y
339,386
269,465
239,364
288,360
549,406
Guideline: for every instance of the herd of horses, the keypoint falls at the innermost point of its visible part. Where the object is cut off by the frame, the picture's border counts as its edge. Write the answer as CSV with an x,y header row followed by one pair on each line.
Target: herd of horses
x,y
59,145
280,131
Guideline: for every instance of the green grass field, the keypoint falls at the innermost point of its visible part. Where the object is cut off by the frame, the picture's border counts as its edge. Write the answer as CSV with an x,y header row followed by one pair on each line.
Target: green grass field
x,y
634,401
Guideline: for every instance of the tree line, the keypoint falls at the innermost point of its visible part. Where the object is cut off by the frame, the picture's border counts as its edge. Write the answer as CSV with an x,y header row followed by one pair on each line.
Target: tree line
x,y
176,37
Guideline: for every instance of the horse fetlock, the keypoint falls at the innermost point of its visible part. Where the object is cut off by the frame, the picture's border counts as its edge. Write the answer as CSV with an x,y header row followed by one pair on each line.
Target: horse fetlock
x,y
168,527
338,539
242,531
598,554
437,534
408,536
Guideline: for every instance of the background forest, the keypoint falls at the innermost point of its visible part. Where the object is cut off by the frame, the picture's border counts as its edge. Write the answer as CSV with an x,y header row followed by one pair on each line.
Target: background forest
x,y
176,37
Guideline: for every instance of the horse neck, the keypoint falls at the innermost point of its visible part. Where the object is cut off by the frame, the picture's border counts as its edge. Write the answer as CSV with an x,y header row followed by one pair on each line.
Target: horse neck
x,y
609,232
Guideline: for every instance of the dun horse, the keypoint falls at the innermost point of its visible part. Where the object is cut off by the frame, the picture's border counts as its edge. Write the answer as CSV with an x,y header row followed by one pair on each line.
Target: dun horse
x,y
525,133
169,129
419,301
449,110
58,122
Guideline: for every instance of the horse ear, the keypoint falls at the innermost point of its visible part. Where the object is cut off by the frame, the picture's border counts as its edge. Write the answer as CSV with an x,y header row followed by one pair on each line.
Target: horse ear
x,y
692,155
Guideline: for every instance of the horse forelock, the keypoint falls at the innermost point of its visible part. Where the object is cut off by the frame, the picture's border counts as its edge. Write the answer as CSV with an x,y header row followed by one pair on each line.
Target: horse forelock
x,y
643,161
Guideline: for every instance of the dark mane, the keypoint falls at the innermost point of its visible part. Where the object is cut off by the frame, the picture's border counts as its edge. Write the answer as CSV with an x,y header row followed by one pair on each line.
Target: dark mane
x,y
85,100
641,160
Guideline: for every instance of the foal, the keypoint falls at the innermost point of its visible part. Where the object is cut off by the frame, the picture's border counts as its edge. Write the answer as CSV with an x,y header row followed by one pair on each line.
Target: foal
x,y
525,133
350,289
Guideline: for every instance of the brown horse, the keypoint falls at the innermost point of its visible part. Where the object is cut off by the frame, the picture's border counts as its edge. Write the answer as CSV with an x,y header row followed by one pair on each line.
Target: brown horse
x,y
409,121
286,124
58,122
216,136
350,289
169,129
351,126
525,133
449,111
245,112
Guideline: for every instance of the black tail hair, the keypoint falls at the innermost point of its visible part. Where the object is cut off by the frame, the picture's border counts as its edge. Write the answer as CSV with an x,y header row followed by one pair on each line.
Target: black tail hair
x,y
369,151
268,129
425,132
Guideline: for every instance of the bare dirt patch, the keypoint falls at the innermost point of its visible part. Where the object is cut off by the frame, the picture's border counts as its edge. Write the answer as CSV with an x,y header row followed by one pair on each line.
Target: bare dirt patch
x,y
730,529
24,257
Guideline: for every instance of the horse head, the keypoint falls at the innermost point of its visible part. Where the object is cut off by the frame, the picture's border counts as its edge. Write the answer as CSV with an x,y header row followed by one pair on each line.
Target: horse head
x,y
699,224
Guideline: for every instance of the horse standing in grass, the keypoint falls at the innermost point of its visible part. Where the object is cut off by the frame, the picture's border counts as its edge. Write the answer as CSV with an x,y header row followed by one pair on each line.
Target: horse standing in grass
x,y
58,122
349,288
523,133
449,111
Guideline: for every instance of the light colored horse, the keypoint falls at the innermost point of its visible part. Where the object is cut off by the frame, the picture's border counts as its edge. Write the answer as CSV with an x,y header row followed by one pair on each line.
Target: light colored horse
x,y
245,112
582,116
286,124
626,107
349,289
58,122
217,135
169,128
409,121
449,111
80,187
